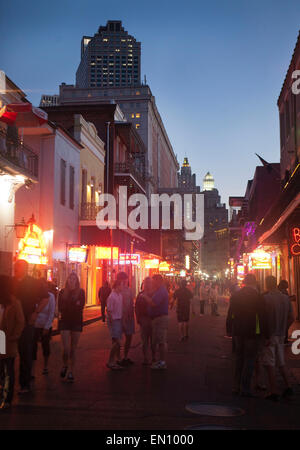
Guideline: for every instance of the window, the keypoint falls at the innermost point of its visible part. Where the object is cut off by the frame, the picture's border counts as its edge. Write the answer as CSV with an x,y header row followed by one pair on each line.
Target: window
x,y
63,166
137,126
138,115
72,179
83,187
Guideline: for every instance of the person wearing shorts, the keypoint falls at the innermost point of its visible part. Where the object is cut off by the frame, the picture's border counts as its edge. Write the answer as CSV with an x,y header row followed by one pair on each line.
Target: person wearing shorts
x,y
114,322
279,315
159,308
128,323
183,297
71,302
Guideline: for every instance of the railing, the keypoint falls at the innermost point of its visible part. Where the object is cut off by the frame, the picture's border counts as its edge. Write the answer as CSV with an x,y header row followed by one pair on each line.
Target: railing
x,y
18,154
89,211
124,168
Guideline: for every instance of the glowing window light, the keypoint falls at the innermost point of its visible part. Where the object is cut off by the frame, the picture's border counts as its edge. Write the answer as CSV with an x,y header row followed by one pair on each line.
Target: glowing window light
x,y
187,262
32,247
107,252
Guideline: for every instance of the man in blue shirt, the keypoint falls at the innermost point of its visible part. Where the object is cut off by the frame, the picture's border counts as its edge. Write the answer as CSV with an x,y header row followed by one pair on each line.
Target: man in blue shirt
x,y
158,311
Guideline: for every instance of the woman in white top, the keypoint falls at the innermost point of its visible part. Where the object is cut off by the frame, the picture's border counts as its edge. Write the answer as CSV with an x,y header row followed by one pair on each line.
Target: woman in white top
x,y
114,321
42,332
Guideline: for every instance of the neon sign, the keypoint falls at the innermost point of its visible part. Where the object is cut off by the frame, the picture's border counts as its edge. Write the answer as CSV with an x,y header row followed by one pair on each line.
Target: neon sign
x,y
32,247
78,254
129,258
261,260
164,267
295,247
151,263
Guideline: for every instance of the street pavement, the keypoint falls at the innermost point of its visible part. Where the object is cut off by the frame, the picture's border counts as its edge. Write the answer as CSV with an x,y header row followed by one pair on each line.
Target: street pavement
x,y
139,398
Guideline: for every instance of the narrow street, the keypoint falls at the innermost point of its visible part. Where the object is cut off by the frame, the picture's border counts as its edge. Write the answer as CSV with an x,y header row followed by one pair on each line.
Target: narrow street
x,y
138,398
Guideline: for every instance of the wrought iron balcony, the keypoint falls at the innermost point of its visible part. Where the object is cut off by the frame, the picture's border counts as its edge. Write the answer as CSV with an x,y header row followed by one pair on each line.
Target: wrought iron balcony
x,y
89,211
16,157
129,169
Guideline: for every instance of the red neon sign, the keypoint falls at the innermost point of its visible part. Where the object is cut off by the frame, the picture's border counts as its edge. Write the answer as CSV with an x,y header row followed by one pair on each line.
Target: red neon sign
x,y
295,247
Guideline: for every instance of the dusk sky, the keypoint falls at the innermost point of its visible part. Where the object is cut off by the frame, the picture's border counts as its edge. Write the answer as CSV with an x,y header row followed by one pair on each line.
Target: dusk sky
x,y
215,67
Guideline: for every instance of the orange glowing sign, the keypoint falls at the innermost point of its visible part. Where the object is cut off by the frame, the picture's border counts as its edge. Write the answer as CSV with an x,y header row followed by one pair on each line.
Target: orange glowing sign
x,y
77,254
107,252
151,263
295,247
32,247
164,267
261,260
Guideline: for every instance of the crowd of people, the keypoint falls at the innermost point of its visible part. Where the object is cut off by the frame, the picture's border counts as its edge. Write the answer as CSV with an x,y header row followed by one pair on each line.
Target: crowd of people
x,y
27,310
258,323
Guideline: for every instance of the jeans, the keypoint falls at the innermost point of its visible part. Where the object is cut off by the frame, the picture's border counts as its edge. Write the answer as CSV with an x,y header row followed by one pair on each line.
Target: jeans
x,y
25,351
7,378
245,352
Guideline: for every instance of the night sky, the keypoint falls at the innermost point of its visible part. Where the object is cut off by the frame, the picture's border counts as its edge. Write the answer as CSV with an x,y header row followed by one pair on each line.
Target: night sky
x,y
215,67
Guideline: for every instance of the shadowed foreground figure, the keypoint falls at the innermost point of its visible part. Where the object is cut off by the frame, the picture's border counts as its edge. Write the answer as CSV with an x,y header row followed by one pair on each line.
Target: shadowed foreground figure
x,y
246,323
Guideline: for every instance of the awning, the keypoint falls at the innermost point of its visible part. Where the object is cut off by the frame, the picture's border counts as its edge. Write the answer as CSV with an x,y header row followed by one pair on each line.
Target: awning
x,y
23,115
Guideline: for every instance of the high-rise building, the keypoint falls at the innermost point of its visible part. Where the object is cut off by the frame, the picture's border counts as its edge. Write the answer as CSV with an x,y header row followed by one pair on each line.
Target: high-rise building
x,y
111,58
187,180
215,242
100,56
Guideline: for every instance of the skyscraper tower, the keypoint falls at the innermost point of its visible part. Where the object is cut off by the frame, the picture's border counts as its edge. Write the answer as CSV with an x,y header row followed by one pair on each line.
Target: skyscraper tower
x,y
187,180
112,58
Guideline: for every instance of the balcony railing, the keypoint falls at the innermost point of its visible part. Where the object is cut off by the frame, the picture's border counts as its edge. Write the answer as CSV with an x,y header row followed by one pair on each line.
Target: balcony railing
x,y
17,156
89,211
128,168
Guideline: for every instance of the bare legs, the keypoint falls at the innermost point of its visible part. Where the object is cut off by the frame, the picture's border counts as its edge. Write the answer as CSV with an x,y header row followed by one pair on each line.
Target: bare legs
x,y
70,342
114,352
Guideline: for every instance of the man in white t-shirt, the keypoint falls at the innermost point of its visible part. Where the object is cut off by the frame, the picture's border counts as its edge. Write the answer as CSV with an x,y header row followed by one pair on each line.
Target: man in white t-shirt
x,y
114,321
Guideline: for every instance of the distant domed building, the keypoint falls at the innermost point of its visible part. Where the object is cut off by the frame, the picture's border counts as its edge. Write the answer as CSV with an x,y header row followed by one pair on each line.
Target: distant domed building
x,y
208,182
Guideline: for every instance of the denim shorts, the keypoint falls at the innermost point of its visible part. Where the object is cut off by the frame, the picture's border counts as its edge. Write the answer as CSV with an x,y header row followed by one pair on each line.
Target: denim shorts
x,y
115,329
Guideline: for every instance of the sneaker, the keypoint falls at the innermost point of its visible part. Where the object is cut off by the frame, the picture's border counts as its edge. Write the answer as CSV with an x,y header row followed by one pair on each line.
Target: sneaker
x,y
288,392
70,378
160,365
125,362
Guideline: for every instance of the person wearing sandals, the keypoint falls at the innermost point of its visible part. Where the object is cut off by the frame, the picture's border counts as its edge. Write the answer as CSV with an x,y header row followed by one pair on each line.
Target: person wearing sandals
x,y
114,311
42,330
71,301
